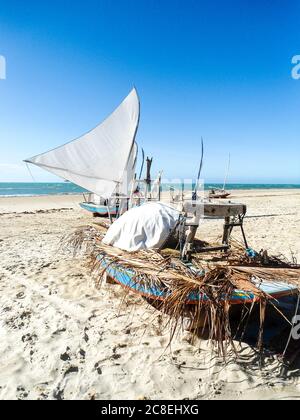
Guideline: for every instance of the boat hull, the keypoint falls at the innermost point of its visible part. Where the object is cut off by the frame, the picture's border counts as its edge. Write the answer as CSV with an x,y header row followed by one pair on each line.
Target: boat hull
x,y
219,195
99,210
125,277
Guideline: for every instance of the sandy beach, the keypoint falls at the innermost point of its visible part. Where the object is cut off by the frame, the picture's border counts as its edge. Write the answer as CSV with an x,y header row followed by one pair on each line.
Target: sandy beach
x,y
61,338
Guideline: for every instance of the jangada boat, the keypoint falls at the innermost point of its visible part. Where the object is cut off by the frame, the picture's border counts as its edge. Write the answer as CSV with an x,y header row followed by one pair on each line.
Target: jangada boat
x,y
133,251
191,215
128,279
101,207
143,190
99,210
102,161
152,251
215,193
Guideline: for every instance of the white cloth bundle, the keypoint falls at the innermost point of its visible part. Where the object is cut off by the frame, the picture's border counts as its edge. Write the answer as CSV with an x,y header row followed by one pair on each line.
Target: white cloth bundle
x,y
144,227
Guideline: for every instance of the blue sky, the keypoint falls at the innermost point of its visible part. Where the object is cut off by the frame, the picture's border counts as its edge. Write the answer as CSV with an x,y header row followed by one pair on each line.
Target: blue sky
x,y
217,69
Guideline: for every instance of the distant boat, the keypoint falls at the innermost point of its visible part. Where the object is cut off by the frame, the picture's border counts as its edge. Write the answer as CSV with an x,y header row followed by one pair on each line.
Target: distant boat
x,y
218,193
221,192
99,210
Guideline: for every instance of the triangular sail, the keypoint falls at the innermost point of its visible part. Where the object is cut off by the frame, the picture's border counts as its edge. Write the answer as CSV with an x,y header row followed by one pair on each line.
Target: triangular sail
x,y
98,160
129,173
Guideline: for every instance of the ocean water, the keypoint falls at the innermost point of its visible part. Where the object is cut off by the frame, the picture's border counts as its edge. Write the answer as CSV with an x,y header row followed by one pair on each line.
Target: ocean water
x,y
13,189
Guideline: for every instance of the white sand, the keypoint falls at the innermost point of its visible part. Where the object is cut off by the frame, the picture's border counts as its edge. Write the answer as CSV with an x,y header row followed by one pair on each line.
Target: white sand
x,y
62,338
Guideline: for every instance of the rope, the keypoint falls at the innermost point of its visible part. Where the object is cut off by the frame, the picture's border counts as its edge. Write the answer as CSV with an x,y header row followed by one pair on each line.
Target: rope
x,y
30,173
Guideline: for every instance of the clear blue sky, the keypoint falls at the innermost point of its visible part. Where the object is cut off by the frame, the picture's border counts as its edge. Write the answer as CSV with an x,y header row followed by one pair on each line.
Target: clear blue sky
x,y
217,69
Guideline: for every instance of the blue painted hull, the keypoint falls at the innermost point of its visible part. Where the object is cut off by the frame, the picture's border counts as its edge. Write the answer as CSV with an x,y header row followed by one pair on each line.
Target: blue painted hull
x,y
98,209
125,277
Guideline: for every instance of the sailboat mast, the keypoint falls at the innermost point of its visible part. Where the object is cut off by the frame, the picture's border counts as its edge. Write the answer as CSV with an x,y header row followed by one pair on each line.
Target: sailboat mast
x,y
195,192
148,177
227,173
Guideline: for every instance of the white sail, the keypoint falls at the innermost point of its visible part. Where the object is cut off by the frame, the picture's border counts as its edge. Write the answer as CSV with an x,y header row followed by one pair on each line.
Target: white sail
x,y
98,160
128,177
124,188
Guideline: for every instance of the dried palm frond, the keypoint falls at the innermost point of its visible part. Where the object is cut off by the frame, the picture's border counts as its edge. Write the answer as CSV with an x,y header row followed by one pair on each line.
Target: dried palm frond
x,y
84,239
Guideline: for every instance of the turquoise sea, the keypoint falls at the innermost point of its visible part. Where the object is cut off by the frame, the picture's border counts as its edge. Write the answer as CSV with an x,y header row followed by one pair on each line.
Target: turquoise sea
x,y
13,189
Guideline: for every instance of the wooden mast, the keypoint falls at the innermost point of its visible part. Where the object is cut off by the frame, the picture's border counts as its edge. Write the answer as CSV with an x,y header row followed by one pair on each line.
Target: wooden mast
x,y
148,176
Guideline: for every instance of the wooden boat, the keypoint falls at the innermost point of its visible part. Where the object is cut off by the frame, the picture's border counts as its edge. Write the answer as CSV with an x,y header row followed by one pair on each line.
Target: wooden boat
x,y
218,193
98,210
127,279
233,214
191,281
101,161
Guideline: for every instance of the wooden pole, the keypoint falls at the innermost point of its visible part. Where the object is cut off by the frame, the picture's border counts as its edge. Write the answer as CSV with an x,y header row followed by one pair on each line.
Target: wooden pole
x,y
148,176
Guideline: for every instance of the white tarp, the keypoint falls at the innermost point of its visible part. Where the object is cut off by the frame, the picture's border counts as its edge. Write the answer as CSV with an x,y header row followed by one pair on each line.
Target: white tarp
x,y
144,227
97,160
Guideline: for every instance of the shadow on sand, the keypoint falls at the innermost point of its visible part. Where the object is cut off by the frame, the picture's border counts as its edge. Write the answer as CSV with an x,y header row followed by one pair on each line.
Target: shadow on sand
x,y
277,336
